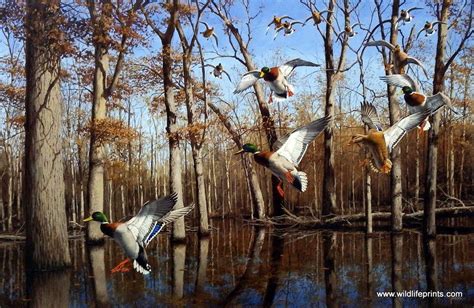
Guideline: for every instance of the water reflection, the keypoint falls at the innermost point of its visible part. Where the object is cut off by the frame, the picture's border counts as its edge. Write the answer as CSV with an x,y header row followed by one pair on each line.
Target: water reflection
x,y
397,267
329,251
240,265
48,289
97,270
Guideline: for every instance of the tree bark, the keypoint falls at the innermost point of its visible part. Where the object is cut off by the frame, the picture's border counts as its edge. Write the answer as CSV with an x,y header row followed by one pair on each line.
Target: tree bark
x,y
44,201
267,120
95,182
432,154
394,110
255,191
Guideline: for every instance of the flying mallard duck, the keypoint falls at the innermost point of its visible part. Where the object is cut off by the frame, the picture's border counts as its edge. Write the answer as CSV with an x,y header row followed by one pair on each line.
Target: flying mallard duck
x,y
209,32
381,143
218,70
405,16
275,76
415,99
400,58
277,21
429,28
134,235
288,28
291,149
349,30
316,16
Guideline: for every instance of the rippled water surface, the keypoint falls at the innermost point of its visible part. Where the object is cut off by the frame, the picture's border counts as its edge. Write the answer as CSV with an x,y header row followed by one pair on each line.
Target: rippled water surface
x,y
246,266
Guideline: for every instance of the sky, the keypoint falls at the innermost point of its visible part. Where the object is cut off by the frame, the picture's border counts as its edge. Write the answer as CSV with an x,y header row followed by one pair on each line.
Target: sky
x,y
305,43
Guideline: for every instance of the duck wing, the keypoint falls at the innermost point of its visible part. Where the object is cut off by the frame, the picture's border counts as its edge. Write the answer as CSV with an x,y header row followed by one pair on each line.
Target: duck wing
x,y
248,79
435,102
401,80
147,223
417,62
396,132
381,43
289,66
369,116
293,146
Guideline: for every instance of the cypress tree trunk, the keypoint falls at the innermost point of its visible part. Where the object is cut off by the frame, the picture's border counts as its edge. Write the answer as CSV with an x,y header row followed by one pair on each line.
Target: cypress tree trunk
x,y
432,155
95,182
47,244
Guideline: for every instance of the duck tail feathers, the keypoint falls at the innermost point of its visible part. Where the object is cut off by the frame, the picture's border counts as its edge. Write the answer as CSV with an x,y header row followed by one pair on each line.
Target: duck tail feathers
x,y
301,181
139,268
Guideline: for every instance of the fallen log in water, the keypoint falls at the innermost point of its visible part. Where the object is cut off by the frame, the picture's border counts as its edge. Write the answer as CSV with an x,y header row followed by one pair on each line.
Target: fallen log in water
x,y
356,220
20,237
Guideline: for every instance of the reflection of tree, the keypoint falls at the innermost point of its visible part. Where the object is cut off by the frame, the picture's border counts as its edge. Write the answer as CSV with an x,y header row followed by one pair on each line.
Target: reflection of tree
x,y
329,254
202,266
278,243
258,237
97,264
179,256
48,289
397,255
431,266
368,246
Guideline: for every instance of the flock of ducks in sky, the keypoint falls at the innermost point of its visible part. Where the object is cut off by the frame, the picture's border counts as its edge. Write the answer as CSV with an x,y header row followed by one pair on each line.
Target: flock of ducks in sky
x,y
134,235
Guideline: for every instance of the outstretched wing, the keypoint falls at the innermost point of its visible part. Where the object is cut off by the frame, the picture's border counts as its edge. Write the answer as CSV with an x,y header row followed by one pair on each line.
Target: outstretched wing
x,y
396,132
175,214
401,80
145,225
205,24
215,38
381,43
369,116
418,62
289,66
420,32
247,80
413,8
293,146
435,102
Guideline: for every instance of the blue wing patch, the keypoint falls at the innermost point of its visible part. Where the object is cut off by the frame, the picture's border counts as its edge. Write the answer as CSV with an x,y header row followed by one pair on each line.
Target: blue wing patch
x,y
154,231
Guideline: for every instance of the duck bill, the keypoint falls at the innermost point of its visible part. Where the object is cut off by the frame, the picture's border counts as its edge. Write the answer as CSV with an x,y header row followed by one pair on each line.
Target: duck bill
x,y
261,74
238,152
88,219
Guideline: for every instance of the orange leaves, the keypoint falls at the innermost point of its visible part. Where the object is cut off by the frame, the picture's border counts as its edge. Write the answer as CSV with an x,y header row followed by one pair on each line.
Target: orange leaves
x,y
17,121
110,130
12,93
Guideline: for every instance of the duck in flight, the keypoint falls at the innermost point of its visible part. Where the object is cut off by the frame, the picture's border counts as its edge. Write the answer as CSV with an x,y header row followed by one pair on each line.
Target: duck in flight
x,y
134,235
290,151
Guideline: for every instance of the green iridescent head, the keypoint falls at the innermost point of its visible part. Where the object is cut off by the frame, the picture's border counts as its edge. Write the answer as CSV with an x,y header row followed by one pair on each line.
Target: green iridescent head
x,y
248,148
265,69
407,90
97,216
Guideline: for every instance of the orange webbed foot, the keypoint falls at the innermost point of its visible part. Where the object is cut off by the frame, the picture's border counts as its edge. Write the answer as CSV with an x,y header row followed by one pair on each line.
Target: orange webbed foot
x,y
280,190
122,267
289,177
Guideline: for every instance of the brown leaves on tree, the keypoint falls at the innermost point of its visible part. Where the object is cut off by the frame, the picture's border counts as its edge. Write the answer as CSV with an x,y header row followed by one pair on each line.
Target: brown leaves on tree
x,y
110,130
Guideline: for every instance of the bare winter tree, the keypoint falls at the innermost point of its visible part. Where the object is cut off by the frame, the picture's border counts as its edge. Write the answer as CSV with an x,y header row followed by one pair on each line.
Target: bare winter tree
x,y
196,136
44,202
441,67
101,16
171,109
240,45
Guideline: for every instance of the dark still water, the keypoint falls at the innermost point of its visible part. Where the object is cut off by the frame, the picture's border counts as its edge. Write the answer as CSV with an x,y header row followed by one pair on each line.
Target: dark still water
x,y
240,265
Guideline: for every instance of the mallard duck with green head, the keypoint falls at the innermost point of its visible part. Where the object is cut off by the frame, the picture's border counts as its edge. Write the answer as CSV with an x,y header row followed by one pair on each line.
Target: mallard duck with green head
x,y
380,143
415,99
290,151
134,235
276,77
